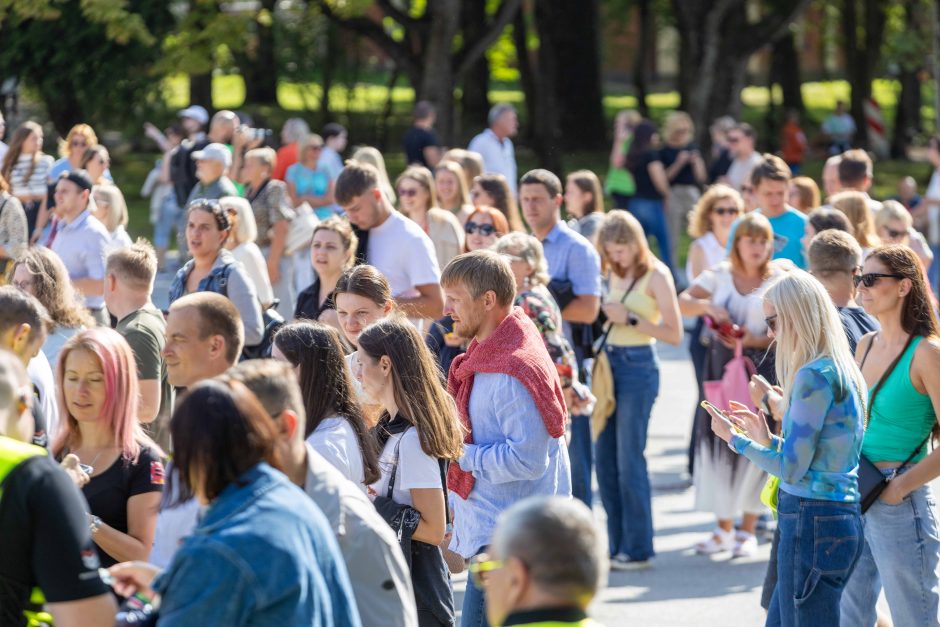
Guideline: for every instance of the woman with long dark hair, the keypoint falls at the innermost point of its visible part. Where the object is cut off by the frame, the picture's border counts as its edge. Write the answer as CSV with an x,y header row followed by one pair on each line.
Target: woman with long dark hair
x,y
648,204
26,168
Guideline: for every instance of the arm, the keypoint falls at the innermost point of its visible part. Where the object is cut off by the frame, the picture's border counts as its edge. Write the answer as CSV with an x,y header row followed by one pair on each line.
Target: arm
x,y
97,611
430,303
320,201
697,301
278,240
89,286
669,329
699,169
673,170
41,220
141,523
149,407
432,155
190,597
429,502
13,229
583,308
658,176
697,261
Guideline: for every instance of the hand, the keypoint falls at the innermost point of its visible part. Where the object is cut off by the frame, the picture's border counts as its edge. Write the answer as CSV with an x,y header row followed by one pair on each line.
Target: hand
x,y
718,314
240,137
758,387
152,131
71,466
274,271
721,427
727,341
893,494
683,157
753,425
133,577
616,312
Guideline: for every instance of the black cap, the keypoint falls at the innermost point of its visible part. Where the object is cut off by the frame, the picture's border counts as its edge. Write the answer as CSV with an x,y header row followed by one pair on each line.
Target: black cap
x,y
79,177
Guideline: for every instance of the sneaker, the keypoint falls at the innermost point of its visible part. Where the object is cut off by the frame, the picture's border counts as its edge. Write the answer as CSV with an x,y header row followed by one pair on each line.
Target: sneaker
x,y
624,563
718,542
745,544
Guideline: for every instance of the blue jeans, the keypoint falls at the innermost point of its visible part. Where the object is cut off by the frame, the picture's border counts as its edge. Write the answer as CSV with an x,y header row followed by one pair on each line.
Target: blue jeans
x,y
652,217
900,552
473,612
167,221
820,542
581,458
621,464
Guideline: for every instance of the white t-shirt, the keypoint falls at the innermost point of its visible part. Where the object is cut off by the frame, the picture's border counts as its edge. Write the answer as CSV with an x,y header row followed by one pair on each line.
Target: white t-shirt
x,y
335,439
416,469
739,173
746,310
173,525
404,253
40,374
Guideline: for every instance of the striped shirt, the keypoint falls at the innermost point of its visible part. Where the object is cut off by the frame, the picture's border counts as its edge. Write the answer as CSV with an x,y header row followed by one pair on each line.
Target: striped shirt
x,y
37,185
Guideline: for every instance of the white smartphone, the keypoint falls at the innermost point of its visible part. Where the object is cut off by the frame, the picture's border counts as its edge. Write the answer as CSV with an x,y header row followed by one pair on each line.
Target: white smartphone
x,y
722,414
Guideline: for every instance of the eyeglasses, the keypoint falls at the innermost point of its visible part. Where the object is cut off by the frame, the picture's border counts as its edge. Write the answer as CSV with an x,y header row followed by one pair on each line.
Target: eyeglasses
x,y
484,229
407,193
869,280
771,322
480,565
726,211
895,234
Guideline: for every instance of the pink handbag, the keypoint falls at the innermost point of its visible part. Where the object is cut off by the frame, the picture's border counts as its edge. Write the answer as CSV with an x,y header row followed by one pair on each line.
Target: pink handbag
x,y
733,384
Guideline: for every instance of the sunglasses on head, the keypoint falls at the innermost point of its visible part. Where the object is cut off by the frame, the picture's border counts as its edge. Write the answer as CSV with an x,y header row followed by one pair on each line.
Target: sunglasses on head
x,y
484,229
407,193
725,211
869,280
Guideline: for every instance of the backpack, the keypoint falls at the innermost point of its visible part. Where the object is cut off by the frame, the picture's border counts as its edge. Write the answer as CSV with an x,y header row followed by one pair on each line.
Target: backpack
x,y
270,318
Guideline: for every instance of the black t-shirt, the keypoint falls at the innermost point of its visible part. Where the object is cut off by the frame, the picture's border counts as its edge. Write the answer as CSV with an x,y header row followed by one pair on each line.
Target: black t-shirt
x,y
668,156
308,303
856,324
641,174
435,340
720,165
45,540
183,169
415,141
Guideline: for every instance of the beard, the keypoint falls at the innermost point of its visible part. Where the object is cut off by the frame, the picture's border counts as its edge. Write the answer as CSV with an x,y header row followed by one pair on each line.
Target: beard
x,y
465,329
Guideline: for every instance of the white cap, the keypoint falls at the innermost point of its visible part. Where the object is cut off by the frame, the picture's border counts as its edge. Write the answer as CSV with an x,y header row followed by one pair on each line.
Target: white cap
x,y
196,112
214,152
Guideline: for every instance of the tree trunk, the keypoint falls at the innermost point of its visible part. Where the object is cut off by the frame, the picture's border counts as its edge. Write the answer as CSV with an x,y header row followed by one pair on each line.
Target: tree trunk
x,y
862,57
785,71
546,127
437,78
475,103
329,69
907,117
258,64
526,74
200,90
641,63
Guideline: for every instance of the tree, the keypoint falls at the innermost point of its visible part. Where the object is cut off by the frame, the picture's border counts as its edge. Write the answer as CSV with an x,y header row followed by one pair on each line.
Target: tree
x,y
862,35
256,60
475,100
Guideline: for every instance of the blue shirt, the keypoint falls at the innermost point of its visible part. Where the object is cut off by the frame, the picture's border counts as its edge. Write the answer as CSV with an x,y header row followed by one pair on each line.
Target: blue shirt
x,y
263,554
571,257
512,457
788,229
83,245
309,182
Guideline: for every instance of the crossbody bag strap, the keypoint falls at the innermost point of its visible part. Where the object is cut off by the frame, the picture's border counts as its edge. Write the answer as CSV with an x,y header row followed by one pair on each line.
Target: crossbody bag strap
x,y
610,323
391,479
884,377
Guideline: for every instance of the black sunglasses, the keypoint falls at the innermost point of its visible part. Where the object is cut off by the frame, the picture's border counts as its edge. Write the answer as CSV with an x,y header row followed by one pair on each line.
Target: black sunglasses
x,y
771,322
725,211
869,280
485,229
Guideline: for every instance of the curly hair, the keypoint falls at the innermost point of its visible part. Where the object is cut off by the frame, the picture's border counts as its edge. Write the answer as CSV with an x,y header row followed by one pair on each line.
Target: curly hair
x,y
52,287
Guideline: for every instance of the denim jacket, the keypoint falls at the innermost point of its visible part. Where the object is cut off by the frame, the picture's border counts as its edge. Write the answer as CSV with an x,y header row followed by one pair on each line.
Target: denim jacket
x,y
263,554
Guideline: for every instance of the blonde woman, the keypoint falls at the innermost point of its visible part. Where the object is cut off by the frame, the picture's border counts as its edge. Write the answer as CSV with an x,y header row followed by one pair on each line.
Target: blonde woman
x,y
418,200
452,190
895,225
855,207
241,243
584,202
308,180
640,304
804,194
471,162
709,226
332,252
370,155
111,209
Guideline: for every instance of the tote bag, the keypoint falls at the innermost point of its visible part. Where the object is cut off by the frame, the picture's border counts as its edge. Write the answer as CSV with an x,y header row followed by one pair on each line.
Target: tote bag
x,y
733,385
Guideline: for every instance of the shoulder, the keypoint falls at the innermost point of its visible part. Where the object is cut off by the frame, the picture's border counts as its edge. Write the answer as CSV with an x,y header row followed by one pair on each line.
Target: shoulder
x,y
927,353
815,375
411,445
661,276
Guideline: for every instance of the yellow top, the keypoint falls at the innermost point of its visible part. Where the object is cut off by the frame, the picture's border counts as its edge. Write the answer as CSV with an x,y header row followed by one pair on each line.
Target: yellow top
x,y
642,305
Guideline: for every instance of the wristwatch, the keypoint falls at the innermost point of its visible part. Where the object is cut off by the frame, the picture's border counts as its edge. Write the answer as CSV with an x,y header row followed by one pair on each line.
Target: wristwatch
x,y
632,319
94,525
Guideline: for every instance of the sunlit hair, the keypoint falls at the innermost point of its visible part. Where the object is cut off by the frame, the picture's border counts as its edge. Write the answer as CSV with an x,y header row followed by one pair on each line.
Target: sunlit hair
x,y
23,132
53,288
588,183
265,156
239,210
499,222
700,218
416,384
463,192
122,393
372,156
94,151
497,187
893,210
808,328
808,193
756,226
917,312
113,199
620,227
423,177
366,281
480,272
529,249
86,131
855,207
471,162
678,122
347,238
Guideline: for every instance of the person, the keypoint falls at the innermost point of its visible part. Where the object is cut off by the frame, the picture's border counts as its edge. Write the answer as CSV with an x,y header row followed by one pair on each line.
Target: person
x,y
839,128
332,251
293,134
26,169
212,181
308,181
214,269
241,243
47,544
803,194
127,294
823,219
452,190
421,144
157,186
3,146
907,193
793,143
370,155
96,161
584,202
574,267
72,152
469,161
830,176
545,565
194,119
685,172
648,204
81,241
494,144
721,157
834,260
262,553
730,295
111,211
901,544
619,182
816,457
860,216
640,305
895,225
856,173
418,433
413,277
14,234
377,569
741,141
418,200
98,398
335,428
510,403
40,273
492,190
335,138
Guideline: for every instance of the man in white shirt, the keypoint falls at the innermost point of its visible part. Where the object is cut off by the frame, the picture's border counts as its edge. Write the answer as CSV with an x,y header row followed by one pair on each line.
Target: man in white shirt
x,y
495,145
741,141
397,246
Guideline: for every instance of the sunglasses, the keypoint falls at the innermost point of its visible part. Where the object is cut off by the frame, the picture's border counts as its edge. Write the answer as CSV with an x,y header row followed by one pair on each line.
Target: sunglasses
x,y
480,565
895,234
771,322
78,143
869,280
726,211
407,193
484,229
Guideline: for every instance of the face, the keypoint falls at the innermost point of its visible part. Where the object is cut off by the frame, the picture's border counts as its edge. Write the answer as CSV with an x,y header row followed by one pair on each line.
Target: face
x,y
356,312
33,143
480,197
363,211
507,124
327,253
477,225
894,232
466,312
84,387
102,208
575,199
754,251
621,255
70,199
191,126
373,374
794,198
23,280
203,235
312,155
740,144
538,207
771,195
886,294
209,170
830,177
521,269
97,165
503,588
77,144
413,196
724,212
447,186
185,353
770,316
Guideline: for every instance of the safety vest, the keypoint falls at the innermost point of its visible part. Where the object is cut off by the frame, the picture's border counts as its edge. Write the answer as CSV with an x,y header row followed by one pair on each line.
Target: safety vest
x,y
12,454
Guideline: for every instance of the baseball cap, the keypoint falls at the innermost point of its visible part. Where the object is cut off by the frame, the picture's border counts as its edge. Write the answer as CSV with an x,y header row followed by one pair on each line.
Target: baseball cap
x,y
196,112
214,152
79,177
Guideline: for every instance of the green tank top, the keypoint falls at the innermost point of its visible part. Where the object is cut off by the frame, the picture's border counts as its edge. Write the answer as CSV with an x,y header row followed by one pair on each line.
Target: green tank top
x,y
900,418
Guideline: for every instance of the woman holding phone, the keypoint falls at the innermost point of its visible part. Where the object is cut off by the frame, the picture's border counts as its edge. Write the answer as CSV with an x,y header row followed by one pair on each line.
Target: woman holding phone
x,y
815,457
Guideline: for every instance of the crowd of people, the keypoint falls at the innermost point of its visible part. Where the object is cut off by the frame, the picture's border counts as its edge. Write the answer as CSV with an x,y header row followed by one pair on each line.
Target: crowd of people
x,y
358,389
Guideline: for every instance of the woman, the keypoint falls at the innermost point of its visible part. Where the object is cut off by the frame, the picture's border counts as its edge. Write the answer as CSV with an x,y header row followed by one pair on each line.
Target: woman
x,y
308,181
419,433
96,161
241,243
111,210
685,171
271,205
452,189
13,229
335,426
96,382
804,194
418,201
823,219
640,304
26,169
895,225
584,202
470,162
815,458
730,296
901,365
72,151
332,251
620,183
855,207
214,269
40,273
368,154
492,190
261,553
648,204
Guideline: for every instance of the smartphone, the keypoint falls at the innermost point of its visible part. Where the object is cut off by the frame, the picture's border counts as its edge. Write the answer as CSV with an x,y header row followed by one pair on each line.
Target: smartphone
x,y
763,380
723,414
86,469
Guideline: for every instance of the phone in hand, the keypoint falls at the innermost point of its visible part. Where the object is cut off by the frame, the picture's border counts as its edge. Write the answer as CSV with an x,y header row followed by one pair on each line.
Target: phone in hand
x,y
727,329
722,414
763,381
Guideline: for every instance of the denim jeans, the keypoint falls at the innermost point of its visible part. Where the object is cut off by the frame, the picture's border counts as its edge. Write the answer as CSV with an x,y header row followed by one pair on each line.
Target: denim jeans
x,y
652,216
820,543
900,552
581,458
621,463
473,612
167,221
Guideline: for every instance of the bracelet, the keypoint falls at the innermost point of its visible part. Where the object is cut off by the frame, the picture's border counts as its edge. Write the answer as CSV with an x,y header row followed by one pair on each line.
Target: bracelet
x,y
94,525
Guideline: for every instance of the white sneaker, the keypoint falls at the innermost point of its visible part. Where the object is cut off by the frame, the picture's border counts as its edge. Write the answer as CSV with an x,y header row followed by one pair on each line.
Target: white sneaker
x,y
745,544
719,541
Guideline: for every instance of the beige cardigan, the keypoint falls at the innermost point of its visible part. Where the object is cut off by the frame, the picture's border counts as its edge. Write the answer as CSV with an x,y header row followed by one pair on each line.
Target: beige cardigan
x,y
446,233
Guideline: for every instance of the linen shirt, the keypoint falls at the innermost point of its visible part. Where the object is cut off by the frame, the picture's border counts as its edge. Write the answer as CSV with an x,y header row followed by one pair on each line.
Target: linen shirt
x,y
499,157
571,257
83,246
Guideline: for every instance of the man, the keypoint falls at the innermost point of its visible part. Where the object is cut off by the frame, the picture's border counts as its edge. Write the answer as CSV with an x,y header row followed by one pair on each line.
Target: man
x,y
840,128
397,246
127,288
741,140
47,546
494,144
546,565
212,163
830,176
182,169
856,173
81,241
510,401
422,145
376,566
575,269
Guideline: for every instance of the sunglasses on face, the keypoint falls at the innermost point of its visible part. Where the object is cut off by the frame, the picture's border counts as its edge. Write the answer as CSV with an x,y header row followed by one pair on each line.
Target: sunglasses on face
x,y
725,211
869,280
78,143
484,229
771,322
407,193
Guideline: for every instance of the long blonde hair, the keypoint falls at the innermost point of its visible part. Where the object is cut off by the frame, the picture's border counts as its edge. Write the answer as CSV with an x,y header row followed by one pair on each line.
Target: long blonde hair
x,y
621,227
855,207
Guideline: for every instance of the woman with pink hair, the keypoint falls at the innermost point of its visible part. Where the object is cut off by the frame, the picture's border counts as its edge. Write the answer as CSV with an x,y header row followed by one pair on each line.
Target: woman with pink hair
x,y
97,392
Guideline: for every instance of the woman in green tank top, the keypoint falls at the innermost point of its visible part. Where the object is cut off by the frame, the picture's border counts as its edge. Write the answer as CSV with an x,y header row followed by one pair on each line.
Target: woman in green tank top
x,y
902,543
